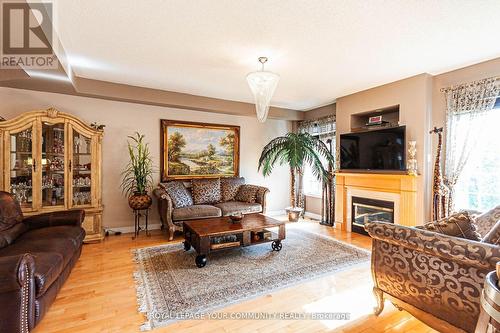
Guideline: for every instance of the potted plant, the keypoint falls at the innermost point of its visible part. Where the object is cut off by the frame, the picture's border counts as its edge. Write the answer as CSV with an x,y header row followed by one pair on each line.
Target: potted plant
x,y
138,174
296,150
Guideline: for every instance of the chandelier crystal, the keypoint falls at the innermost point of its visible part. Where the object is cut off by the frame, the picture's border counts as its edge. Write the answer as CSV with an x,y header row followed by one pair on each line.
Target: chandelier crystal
x,y
262,84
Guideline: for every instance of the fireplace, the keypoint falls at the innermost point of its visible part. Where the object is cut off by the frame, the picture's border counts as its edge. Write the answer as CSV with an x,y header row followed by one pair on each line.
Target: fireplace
x,y
364,210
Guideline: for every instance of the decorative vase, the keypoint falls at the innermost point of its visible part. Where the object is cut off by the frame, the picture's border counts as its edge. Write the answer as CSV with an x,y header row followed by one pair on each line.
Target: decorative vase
x,y
140,201
293,213
411,165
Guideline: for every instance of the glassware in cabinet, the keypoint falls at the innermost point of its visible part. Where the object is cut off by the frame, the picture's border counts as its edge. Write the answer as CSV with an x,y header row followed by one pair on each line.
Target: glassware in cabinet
x,y
53,171
22,166
81,166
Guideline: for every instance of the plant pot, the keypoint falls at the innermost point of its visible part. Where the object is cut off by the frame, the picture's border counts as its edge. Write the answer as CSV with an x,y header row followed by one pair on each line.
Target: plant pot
x,y
294,213
140,201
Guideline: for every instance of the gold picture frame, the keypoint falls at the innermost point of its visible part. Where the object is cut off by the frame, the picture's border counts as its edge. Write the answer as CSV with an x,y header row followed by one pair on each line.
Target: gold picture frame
x,y
198,150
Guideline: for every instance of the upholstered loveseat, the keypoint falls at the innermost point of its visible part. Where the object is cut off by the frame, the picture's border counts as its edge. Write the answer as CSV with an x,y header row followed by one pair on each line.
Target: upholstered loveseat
x,y
37,254
436,277
180,201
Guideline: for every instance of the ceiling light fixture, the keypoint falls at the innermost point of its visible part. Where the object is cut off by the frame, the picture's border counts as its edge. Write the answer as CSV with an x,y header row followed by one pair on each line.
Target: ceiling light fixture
x,y
262,84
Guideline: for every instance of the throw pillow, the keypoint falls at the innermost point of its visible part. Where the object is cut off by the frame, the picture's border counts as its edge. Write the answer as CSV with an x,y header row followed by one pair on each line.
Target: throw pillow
x,y
247,193
206,191
486,221
230,186
179,194
457,225
493,236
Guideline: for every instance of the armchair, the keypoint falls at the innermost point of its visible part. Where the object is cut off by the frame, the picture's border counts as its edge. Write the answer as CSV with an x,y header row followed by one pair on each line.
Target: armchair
x,y
436,278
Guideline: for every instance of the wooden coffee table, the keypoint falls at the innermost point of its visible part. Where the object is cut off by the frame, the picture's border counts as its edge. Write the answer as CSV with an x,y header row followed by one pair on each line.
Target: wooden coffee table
x,y
204,234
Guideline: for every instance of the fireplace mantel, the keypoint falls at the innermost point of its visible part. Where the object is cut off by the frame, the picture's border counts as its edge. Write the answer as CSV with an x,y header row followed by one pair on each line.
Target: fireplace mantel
x,y
401,187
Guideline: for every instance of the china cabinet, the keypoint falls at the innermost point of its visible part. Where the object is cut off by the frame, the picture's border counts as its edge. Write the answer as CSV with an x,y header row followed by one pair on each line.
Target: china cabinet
x,y
52,161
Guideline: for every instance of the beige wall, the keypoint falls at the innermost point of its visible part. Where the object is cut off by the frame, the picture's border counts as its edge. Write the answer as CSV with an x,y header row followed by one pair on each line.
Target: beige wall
x,y
122,119
313,205
414,96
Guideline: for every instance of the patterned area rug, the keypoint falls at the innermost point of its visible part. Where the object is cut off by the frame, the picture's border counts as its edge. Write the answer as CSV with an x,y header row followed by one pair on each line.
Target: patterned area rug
x,y
170,285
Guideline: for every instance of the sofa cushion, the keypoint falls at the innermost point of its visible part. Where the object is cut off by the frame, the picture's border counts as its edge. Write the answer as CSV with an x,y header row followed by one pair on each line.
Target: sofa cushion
x,y
179,194
493,236
457,225
195,212
231,207
247,193
206,191
229,187
25,244
10,211
8,236
487,220
73,233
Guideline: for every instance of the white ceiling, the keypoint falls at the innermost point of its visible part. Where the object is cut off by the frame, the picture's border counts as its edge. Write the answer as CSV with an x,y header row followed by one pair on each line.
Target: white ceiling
x,y
322,49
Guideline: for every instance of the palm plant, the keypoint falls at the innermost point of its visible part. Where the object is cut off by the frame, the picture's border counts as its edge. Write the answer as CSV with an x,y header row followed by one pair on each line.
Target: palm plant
x,y
138,174
297,150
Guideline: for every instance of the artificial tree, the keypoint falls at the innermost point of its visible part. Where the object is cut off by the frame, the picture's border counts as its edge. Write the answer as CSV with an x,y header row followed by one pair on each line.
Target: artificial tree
x,y
297,150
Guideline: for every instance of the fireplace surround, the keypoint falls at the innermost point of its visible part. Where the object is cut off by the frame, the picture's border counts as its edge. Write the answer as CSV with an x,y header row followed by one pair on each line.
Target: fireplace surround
x,y
401,189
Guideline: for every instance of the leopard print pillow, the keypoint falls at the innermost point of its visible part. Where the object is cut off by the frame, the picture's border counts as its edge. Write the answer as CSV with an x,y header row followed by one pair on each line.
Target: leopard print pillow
x,y
179,194
206,191
457,225
247,193
230,186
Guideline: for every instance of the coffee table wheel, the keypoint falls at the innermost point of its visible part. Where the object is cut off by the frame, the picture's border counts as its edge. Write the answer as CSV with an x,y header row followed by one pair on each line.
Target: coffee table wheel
x,y
276,245
187,246
201,261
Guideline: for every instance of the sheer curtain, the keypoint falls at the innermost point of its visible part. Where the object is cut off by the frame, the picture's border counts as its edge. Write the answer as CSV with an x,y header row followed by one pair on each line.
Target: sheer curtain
x,y
478,187
467,107
324,128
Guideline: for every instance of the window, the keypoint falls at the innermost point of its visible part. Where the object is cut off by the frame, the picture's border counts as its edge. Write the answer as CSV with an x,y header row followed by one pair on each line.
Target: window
x,y
478,186
324,129
312,186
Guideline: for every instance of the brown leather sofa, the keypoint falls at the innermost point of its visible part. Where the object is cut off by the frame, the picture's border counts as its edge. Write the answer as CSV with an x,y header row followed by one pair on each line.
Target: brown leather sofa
x,y
37,254
435,277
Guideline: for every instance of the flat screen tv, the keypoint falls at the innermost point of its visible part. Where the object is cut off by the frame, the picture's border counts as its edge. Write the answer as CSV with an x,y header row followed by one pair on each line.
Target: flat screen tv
x,y
383,149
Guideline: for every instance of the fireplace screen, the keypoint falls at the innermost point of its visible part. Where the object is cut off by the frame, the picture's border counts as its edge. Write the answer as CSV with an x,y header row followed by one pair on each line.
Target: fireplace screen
x,y
364,210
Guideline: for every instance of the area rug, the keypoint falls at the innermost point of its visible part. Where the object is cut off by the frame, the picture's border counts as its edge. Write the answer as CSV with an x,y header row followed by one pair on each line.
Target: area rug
x,y
170,286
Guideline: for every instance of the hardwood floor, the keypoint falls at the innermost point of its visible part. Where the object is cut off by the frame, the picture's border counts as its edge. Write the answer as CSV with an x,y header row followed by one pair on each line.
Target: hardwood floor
x,y
99,296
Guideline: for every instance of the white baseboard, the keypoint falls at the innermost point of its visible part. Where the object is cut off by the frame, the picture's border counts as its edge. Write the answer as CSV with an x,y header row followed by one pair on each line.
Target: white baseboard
x,y
127,230
313,216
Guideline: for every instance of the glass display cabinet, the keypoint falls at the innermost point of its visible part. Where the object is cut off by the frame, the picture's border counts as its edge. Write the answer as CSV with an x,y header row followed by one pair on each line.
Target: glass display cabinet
x,y
51,161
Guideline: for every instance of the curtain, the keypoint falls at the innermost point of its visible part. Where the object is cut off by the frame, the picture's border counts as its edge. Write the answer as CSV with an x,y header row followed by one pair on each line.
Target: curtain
x,y
324,128
320,126
465,104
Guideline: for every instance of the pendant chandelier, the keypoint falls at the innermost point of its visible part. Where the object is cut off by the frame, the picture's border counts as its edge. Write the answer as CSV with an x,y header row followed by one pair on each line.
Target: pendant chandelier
x,y
262,84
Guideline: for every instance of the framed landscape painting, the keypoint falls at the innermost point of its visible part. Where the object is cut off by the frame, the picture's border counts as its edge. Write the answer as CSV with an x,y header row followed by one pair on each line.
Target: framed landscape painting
x,y
198,150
